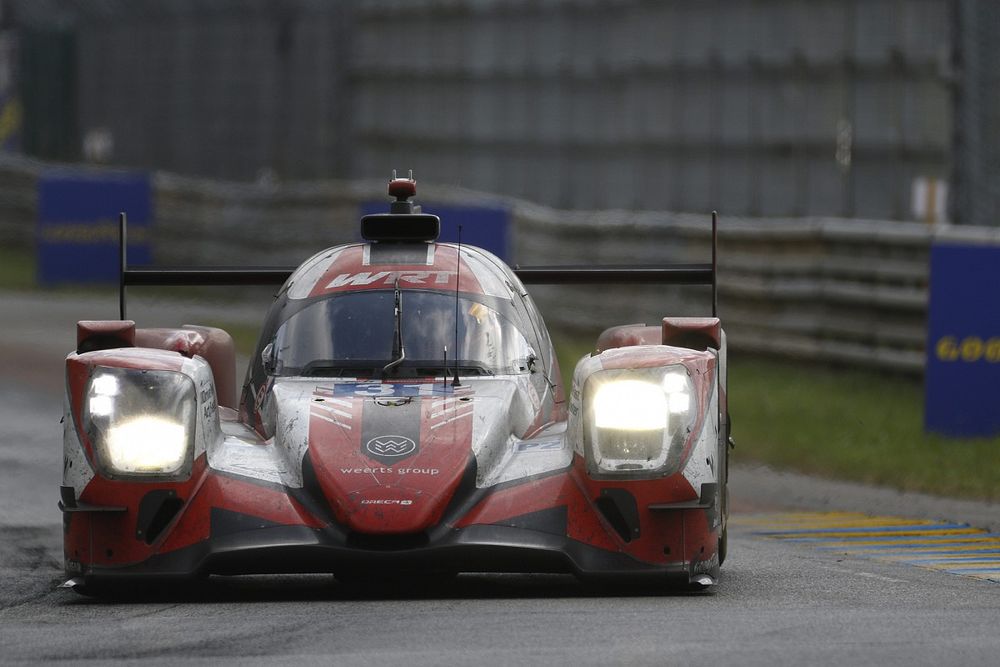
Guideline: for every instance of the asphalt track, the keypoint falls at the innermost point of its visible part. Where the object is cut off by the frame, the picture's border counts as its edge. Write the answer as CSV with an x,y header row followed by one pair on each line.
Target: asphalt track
x,y
812,587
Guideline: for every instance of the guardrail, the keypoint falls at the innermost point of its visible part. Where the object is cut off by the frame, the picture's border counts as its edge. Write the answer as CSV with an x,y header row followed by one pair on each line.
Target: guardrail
x,y
847,291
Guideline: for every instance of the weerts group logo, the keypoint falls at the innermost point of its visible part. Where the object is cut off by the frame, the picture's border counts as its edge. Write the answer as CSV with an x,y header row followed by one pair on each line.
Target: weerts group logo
x,y
390,446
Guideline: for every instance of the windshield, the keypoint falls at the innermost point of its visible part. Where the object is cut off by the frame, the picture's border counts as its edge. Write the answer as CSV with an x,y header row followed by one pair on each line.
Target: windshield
x,y
352,334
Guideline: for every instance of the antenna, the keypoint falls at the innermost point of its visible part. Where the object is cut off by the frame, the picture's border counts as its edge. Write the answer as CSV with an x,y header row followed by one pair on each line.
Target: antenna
x,y
398,351
122,264
458,273
715,264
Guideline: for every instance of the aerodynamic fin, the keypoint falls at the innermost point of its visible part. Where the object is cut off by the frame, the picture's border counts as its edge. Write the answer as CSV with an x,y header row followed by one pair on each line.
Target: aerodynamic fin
x,y
661,274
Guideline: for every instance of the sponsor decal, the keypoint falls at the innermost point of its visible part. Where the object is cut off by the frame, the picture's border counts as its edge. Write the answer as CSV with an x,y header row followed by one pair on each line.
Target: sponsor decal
x,y
390,446
968,350
390,428
206,394
385,501
262,391
394,390
543,446
367,470
388,278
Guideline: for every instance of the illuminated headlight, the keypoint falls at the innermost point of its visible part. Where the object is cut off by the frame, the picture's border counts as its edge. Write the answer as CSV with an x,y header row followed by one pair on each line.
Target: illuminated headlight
x,y
147,444
638,420
631,405
140,422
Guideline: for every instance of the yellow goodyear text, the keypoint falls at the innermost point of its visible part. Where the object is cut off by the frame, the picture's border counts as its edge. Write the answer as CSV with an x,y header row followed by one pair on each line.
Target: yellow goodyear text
x,y
969,349
10,119
88,232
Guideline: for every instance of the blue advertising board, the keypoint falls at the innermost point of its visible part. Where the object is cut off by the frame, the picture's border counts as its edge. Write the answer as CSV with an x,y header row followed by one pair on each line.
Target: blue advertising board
x,y
77,232
487,227
962,378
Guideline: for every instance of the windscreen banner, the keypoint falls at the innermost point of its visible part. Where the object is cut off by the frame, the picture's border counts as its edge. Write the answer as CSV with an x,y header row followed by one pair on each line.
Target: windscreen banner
x,y
486,227
962,378
77,232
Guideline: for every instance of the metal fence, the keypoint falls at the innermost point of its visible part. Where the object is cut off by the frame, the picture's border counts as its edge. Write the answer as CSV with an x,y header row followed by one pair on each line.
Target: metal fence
x,y
241,89
763,108
977,113
757,107
849,291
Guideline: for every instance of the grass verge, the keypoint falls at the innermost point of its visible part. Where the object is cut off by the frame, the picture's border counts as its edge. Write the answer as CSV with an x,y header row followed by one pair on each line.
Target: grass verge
x,y
244,335
853,424
846,424
17,269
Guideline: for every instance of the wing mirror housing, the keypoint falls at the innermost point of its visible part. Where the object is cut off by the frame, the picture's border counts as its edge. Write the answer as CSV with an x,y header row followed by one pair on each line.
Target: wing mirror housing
x,y
529,362
269,358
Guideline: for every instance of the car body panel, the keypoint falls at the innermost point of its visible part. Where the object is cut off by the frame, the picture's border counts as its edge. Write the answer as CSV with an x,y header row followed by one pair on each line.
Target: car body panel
x,y
415,471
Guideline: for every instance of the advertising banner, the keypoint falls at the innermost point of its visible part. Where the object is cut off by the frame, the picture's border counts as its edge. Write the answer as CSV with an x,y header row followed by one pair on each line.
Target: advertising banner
x,y
487,227
962,379
77,232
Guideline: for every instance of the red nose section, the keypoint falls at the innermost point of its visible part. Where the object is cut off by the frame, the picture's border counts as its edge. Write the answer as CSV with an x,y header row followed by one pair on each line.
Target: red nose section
x,y
390,465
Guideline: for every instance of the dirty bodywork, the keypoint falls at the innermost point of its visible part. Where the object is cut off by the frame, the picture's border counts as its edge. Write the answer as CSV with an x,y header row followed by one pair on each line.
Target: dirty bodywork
x,y
404,412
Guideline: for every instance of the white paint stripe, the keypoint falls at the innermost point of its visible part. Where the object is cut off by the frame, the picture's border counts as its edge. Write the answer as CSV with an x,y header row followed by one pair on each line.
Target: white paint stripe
x,y
952,562
879,577
915,556
865,575
332,421
448,421
918,547
446,410
345,415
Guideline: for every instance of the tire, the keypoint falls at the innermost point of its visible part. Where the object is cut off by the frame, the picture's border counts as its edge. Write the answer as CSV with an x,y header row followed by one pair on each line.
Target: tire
x,y
723,544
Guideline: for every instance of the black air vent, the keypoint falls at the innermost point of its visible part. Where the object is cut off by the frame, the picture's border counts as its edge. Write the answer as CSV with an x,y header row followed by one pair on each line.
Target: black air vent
x,y
156,510
398,542
619,507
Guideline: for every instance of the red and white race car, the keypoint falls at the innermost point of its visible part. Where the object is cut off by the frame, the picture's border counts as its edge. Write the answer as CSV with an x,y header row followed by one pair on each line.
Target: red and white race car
x,y
404,412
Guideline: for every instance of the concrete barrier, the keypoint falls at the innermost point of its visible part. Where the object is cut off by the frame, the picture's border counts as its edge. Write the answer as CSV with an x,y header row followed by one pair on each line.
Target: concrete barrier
x,y
849,291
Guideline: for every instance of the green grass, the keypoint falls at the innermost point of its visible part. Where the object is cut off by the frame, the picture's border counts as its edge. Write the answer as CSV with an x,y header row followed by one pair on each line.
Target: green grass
x,y
844,424
569,350
244,335
853,424
17,269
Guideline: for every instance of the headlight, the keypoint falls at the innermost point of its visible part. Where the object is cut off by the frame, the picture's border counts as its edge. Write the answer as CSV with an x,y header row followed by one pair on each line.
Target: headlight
x,y
147,444
140,422
638,420
630,405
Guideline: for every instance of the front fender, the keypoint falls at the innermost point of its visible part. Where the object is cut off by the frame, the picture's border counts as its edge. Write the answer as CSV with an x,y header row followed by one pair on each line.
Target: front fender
x,y
80,457
702,368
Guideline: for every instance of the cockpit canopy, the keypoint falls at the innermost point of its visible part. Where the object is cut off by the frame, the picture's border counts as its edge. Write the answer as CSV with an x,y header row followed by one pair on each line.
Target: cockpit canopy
x,y
352,335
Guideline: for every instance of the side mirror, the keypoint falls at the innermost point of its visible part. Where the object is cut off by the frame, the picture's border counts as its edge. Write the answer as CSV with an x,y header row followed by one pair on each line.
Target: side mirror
x,y
269,358
531,360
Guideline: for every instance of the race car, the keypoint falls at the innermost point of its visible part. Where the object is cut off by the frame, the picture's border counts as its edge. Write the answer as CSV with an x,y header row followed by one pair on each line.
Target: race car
x,y
404,413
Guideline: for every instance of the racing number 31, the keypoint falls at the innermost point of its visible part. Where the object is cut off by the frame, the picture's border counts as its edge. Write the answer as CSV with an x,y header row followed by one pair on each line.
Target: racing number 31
x,y
969,349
